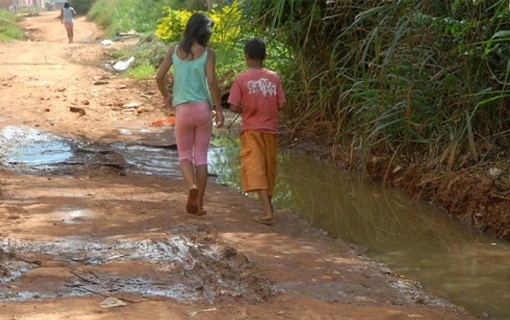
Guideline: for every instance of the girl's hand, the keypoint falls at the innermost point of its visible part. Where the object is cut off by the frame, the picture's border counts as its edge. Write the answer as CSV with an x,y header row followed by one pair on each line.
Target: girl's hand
x,y
167,107
218,118
167,102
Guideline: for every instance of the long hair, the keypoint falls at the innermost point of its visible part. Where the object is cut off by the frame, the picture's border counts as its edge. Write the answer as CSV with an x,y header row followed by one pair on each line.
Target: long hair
x,y
199,29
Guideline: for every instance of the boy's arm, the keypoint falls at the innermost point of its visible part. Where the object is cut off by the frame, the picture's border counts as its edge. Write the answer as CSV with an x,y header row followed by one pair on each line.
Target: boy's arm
x,y
234,98
281,106
236,108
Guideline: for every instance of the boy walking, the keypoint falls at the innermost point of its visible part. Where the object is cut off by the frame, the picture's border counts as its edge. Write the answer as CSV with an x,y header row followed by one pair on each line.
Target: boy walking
x,y
258,96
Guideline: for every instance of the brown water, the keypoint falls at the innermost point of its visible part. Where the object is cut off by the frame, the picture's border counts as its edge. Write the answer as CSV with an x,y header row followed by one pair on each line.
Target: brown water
x,y
416,240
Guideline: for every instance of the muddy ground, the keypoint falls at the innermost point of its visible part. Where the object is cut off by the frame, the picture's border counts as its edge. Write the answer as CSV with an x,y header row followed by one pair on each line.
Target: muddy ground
x,y
97,242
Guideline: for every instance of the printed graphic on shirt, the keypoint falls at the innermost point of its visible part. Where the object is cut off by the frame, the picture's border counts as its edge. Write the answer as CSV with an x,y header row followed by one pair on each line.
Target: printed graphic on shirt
x,y
263,86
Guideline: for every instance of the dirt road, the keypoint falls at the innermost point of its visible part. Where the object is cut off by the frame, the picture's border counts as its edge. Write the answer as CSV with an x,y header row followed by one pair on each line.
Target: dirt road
x,y
99,235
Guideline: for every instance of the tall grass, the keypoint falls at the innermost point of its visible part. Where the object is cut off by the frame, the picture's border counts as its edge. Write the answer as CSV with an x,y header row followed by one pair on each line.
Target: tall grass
x,y
118,16
9,30
418,80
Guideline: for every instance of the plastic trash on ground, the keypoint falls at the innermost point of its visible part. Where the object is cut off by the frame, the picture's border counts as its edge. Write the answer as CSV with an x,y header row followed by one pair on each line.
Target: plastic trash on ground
x,y
106,42
123,65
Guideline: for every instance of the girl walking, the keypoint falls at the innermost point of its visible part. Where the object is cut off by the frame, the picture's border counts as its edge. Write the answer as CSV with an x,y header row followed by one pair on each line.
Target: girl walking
x,y
195,93
66,17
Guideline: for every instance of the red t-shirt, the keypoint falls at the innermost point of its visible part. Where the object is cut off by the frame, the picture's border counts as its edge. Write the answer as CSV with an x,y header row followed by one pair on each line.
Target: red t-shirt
x,y
258,92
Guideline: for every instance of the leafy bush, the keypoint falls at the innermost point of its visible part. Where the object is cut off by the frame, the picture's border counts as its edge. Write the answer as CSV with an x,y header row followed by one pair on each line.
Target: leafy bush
x,y
230,32
227,24
171,27
166,19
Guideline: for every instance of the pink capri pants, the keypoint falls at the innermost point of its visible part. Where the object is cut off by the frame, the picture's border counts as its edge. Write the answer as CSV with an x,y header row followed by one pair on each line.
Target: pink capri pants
x,y
193,131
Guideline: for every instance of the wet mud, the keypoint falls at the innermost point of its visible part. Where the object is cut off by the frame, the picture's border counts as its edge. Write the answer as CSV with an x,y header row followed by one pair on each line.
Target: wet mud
x,y
184,264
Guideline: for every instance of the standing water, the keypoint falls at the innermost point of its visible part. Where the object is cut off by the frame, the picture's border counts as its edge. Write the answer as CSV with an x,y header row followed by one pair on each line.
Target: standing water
x,y
414,239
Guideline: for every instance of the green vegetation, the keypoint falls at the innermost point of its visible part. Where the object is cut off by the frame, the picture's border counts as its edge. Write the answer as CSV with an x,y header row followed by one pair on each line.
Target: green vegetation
x,y
167,24
9,30
123,15
141,71
227,39
412,81
419,82
81,6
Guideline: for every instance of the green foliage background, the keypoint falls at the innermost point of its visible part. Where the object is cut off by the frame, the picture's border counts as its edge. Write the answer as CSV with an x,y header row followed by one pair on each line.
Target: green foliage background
x,y
81,6
9,30
418,81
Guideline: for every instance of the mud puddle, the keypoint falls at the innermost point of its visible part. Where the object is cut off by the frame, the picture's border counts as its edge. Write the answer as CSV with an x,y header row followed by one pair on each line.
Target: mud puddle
x,y
27,150
192,266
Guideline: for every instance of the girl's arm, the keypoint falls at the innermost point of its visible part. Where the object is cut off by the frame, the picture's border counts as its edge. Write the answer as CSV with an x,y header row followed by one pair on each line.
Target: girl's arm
x,y
214,88
161,78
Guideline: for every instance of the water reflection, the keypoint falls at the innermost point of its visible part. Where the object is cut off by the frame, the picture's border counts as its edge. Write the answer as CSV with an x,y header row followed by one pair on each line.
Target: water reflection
x,y
33,147
414,239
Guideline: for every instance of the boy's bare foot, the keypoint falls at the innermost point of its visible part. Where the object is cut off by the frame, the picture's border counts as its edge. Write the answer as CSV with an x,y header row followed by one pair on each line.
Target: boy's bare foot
x,y
199,212
263,220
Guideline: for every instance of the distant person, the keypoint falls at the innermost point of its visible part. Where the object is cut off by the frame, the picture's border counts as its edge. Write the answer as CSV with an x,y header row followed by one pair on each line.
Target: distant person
x,y
67,14
258,96
194,86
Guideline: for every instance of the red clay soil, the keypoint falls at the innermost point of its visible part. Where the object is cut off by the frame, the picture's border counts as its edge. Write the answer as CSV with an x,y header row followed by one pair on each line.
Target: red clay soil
x,y
100,232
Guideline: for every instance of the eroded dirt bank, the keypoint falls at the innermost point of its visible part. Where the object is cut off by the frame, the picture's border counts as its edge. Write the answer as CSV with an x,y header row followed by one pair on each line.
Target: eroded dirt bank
x,y
71,240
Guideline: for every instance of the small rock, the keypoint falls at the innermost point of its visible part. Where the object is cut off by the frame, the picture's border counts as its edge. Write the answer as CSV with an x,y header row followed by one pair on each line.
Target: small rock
x,y
112,302
132,105
79,110
495,172
100,82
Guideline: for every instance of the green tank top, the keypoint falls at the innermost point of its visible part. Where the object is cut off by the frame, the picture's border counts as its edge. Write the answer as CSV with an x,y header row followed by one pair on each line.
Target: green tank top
x,y
190,82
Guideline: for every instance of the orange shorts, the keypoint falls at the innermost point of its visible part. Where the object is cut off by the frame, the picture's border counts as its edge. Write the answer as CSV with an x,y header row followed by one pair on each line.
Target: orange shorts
x,y
258,161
